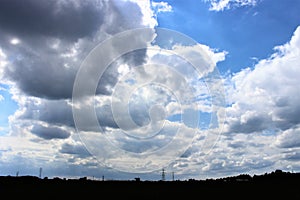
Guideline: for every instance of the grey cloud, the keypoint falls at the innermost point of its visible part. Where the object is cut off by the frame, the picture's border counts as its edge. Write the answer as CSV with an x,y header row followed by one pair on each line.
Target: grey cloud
x,y
253,124
237,144
105,117
43,78
110,76
74,149
59,113
55,38
136,145
64,19
55,112
288,114
126,15
49,133
292,156
289,138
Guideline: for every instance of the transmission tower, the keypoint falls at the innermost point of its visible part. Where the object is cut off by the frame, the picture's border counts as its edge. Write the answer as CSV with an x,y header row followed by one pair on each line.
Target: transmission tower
x,y
40,174
163,175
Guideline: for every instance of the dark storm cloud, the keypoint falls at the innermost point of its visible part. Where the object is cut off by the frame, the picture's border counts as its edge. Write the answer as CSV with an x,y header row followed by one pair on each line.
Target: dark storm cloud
x,y
49,133
67,20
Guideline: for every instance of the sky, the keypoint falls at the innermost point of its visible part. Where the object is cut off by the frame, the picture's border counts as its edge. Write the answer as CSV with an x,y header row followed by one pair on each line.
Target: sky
x,y
126,88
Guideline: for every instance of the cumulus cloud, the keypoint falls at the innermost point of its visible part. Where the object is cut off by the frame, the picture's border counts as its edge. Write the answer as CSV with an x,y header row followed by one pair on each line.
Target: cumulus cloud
x,y
264,97
46,44
45,61
261,131
45,53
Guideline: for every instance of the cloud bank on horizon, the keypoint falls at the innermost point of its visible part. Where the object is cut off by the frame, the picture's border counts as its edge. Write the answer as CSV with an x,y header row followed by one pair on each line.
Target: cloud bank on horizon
x,y
43,45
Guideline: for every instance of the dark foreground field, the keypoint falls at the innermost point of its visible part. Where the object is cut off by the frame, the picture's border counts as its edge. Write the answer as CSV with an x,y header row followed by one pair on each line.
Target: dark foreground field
x,y
276,184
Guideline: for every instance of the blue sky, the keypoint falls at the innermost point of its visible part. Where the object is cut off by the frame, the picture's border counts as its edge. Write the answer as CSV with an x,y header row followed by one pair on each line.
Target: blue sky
x,y
209,88
245,32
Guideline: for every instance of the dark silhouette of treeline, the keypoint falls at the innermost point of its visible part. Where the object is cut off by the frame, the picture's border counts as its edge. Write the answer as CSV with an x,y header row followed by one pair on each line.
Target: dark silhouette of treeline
x,y
276,184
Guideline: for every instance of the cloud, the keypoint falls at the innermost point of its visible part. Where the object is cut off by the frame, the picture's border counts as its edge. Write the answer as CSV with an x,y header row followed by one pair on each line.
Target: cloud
x,y
261,130
289,138
161,6
74,149
42,67
293,155
55,112
45,61
1,98
68,20
3,63
264,98
43,64
135,153
220,5
231,155
49,133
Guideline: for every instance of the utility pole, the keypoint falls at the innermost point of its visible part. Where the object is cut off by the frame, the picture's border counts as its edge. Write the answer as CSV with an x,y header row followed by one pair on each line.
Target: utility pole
x,y
172,176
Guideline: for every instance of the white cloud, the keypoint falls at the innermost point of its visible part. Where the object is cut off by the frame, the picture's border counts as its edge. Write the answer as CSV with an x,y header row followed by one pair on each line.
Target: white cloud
x,y
263,105
220,5
264,98
1,98
161,6
231,155
134,154
3,63
149,18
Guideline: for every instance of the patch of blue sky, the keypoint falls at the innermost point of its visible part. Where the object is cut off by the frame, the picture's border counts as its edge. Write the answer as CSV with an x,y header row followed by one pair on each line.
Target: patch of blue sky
x,y
7,108
247,33
196,119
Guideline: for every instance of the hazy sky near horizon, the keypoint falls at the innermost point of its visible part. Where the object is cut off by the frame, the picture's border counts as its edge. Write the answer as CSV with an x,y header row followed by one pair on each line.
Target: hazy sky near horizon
x,y
215,91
